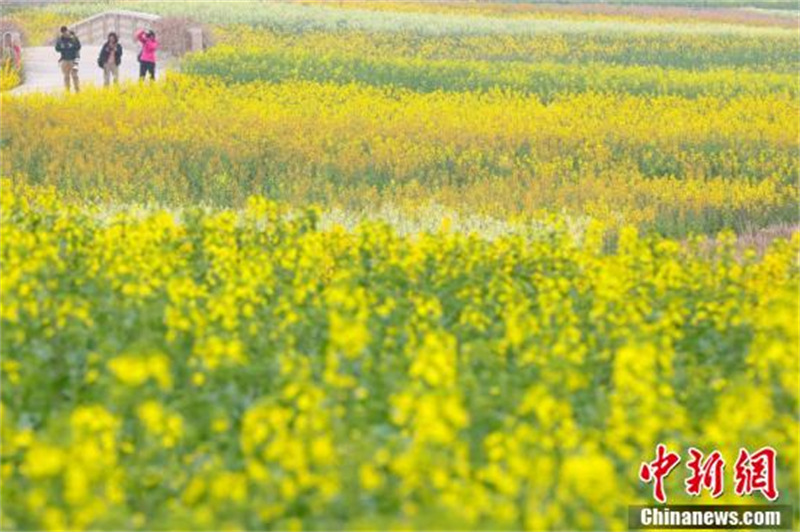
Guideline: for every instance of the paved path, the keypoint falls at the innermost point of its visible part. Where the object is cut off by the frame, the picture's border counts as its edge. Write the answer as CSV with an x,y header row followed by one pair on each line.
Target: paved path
x,y
43,74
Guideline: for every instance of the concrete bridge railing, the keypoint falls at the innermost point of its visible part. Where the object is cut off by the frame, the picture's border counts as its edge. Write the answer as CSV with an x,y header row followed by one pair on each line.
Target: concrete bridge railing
x,y
95,29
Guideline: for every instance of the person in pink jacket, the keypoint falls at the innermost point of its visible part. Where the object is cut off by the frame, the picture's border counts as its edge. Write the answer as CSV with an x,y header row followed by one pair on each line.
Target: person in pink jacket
x,y
147,57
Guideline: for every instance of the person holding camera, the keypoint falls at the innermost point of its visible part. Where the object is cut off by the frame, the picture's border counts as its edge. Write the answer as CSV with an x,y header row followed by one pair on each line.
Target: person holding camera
x,y
69,47
110,59
147,57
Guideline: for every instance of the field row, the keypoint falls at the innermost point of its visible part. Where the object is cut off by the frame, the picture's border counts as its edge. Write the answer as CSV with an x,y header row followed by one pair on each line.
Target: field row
x,y
294,17
756,13
749,53
249,369
670,163
544,79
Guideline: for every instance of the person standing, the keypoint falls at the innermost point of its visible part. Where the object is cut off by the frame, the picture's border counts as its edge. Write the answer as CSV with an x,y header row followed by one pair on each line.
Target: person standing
x,y
12,54
110,59
69,47
147,57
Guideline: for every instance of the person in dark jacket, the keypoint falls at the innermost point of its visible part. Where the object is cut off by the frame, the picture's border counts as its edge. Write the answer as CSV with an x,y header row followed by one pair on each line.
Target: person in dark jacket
x,y
69,47
110,58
